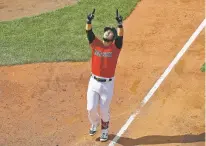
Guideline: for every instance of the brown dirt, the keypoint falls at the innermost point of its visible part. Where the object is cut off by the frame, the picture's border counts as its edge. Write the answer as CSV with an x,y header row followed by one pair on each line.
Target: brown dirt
x,y
10,9
45,104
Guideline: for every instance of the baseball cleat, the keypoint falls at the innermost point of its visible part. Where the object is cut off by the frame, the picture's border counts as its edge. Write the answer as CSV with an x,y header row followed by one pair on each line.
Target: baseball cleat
x,y
104,136
93,130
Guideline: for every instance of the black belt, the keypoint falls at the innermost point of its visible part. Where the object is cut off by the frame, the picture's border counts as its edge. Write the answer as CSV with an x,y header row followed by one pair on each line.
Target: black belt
x,y
100,79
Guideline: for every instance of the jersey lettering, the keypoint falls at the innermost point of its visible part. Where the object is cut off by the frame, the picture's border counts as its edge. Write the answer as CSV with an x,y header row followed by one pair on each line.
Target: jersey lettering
x,y
102,54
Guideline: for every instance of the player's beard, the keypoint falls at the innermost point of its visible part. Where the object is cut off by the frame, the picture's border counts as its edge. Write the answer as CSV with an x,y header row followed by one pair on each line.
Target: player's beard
x,y
106,40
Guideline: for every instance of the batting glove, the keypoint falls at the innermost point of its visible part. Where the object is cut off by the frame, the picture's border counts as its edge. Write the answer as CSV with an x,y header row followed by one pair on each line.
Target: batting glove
x,y
90,17
119,18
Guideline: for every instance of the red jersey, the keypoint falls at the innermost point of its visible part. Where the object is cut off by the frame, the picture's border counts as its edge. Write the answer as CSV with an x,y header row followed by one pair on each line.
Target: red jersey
x,y
104,58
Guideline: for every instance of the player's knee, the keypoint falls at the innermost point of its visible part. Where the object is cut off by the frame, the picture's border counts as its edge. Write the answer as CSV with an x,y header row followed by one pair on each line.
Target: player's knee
x,y
91,109
104,112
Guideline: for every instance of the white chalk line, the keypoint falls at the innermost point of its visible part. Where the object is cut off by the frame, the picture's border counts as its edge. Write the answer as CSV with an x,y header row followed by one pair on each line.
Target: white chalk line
x,y
159,81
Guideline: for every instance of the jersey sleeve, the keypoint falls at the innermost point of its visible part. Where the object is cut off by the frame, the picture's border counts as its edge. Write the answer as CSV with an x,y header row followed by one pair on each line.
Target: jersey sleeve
x,y
90,36
119,42
95,43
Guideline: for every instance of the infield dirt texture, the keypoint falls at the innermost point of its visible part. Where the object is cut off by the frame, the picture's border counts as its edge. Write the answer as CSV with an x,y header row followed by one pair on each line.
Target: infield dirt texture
x,y
44,104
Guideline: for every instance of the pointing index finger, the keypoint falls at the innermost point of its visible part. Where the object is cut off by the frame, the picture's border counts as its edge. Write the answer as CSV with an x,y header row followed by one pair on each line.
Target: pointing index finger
x,y
93,11
117,13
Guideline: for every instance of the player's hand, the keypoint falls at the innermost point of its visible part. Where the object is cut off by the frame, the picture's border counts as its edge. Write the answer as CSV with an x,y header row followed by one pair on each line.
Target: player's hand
x,y
119,18
90,17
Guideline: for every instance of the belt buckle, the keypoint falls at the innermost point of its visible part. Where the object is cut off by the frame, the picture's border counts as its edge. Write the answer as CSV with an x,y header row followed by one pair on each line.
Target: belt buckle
x,y
96,78
101,80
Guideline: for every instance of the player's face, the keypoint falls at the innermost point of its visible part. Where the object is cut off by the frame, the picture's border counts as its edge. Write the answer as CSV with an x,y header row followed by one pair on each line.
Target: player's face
x,y
108,35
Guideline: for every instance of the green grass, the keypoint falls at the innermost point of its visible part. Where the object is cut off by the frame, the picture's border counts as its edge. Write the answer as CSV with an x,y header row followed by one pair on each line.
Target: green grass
x,y
57,35
203,68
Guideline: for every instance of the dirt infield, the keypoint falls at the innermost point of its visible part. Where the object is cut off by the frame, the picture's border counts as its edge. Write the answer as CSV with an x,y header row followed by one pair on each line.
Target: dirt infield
x,y
45,104
10,10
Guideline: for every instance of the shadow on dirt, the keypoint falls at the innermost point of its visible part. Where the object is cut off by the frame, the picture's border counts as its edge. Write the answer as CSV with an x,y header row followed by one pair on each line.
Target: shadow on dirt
x,y
158,139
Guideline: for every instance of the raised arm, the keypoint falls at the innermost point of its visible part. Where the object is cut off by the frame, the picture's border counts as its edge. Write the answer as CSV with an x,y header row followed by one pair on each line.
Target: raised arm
x,y
120,31
90,34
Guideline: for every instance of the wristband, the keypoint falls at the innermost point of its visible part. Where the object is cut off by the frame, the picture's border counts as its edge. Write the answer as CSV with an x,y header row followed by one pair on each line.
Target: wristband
x,y
120,26
89,22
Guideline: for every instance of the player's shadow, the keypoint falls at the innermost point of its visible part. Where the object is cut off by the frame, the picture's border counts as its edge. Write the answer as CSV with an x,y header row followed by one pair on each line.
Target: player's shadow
x,y
159,139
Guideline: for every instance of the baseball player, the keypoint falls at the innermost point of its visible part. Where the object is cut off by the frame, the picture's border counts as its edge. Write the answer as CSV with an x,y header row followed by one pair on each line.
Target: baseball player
x,y
101,84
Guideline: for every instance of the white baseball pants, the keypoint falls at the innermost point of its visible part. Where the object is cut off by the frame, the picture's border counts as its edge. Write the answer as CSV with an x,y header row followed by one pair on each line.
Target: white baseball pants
x,y
99,93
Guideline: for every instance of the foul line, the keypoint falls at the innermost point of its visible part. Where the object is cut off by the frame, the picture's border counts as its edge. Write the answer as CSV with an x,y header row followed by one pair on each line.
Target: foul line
x,y
159,81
